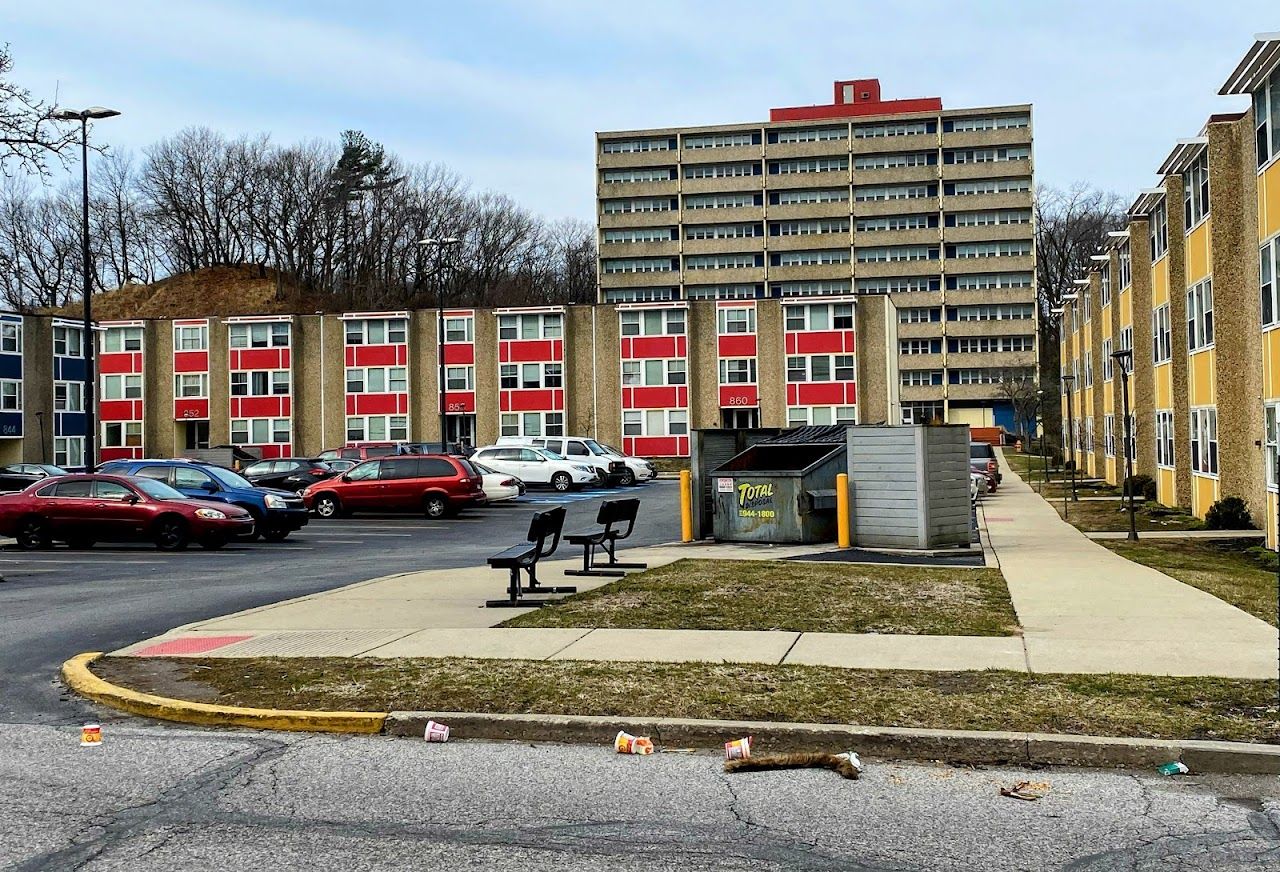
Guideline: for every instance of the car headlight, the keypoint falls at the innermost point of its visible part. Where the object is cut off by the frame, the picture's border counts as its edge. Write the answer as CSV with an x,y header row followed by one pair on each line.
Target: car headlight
x,y
590,469
275,502
211,514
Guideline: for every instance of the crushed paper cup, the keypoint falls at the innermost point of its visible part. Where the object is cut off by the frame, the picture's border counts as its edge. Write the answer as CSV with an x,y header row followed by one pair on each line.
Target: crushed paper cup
x,y
738,749
852,757
625,743
90,736
436,732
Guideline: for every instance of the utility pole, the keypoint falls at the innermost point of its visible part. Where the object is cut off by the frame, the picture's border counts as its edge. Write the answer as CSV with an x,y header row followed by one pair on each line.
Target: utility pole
x,y
1123,358
1068,385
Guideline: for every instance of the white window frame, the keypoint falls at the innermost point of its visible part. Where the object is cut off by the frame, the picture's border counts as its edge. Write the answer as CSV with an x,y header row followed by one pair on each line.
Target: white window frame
x,y
181,333
182,378
1200,315
1204,441
1161,335
10,337
11,395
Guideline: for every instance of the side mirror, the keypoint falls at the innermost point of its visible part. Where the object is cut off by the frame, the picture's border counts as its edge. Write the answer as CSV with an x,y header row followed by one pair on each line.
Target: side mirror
x,y
346,477
131,499
209,486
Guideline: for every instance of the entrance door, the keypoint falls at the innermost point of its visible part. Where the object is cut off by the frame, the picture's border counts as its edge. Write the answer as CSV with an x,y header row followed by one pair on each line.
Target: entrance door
x,y
460,428
739,419
196,434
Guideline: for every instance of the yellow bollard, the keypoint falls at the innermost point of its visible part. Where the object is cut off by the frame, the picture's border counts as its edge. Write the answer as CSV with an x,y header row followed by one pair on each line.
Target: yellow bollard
x,y
686,506
842,510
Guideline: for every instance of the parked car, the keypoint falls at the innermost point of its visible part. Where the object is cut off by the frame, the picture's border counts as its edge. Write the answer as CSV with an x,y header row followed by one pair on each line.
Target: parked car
x,y
437,485
982,458
287,473
340,466
498,486
977,485
18,476
369,450
617,468
538,466
85,508
276,513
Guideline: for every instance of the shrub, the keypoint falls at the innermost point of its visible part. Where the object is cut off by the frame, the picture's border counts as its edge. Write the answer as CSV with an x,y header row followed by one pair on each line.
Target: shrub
x,y
1229,513
1143,486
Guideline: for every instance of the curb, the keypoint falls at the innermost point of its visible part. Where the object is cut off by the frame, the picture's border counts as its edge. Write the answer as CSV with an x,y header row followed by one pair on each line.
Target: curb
x,y
78,678
894,743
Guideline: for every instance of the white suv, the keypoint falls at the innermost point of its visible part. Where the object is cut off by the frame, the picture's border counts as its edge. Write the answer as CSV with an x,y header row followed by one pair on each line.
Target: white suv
x,y
616,467
537,466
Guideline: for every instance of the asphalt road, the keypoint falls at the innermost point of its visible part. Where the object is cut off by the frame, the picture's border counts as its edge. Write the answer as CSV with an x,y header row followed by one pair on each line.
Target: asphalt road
x,y
59,603
152,798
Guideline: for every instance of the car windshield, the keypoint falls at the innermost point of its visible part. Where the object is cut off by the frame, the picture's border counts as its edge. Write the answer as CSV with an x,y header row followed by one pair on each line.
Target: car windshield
x,y
227,477
596,448
468,467
157,490
481,468
615,452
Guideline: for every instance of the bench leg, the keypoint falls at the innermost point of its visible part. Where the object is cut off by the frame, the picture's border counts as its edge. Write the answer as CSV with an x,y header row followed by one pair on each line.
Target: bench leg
x,y
613,563
513,600
588,565
535,587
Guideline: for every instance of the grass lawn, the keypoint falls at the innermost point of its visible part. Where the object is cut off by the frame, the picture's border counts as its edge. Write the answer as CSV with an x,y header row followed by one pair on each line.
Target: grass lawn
x,y
1108,705
1112,516
785,595
1027,465
1237,571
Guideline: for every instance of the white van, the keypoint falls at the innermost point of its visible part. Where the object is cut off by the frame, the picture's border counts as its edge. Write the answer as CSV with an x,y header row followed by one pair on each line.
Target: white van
x,y
615,466
538,466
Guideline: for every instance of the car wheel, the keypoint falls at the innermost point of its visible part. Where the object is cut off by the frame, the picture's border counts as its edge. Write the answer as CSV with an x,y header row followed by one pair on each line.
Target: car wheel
x,y
33,534
435,507
171,533
327,506
628,479
275,534
80,544
213,544
562,481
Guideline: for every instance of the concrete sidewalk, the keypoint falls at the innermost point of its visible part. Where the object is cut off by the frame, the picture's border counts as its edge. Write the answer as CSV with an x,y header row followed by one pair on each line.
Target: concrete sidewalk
x,y
1082,608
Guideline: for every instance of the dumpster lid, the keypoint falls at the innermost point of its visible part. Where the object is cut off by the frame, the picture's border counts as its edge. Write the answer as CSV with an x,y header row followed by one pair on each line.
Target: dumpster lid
x,y
826,434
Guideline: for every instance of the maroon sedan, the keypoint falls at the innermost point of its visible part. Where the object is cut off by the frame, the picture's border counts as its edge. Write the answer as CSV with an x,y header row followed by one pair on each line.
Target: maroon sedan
x,y
84,509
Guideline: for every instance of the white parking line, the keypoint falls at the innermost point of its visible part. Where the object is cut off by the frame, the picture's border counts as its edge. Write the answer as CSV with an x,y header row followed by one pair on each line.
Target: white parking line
x,y
83,561
346,531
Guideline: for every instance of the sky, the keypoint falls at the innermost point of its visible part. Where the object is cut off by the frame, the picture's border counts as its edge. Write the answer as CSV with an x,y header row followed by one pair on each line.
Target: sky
x,y
510,94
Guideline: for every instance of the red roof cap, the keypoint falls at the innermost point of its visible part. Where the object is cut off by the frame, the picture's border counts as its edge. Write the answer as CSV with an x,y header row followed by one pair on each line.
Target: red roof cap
x,y
857,97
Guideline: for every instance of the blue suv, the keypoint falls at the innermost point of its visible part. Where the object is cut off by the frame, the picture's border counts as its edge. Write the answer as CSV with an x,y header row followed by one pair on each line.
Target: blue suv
x,y
276,513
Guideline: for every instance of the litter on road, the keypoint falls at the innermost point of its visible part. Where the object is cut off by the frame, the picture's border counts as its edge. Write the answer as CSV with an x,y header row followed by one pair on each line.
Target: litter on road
x,y
1174,768
738,749
847,764
1029,791
436,732
90,736
625,743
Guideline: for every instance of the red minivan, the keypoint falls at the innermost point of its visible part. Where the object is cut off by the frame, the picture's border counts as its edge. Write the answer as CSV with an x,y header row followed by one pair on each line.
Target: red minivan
x,y
435,484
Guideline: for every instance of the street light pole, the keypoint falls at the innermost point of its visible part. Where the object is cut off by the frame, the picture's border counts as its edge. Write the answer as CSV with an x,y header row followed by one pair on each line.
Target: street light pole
x,y
1044,458
90,378
1068,385
1124,357
442,247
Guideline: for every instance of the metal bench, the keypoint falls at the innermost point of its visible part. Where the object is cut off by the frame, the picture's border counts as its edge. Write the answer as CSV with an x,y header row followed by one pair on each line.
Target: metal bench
x,y
543,527
613,514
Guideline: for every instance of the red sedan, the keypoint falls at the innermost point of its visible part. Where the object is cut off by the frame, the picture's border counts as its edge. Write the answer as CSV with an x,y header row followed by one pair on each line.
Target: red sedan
x,y
84,509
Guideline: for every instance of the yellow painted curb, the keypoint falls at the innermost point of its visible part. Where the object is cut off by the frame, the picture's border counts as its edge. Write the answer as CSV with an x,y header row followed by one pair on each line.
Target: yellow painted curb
x,y
77,677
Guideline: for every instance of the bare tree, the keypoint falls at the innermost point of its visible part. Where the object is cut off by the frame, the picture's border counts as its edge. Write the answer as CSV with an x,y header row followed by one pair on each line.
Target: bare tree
x,y
1023,394
28,135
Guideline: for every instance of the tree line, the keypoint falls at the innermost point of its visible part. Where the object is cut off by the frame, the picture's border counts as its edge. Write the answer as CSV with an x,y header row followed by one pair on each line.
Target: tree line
x,y
339,221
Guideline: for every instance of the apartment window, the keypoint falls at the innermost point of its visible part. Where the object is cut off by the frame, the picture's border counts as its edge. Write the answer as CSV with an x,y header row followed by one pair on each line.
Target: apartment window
x,y
68,341
1159,231
68,451
809,228
377,428
1204,441
68,396
121,387
809,195
1266,115
819,316
117,339
1161,343
893,253
989,376
260,431
723,261
721,140
919,315
901,159
992,218
1164,439
1126,265
821,416
735,320
11,395
1107,362
459,329
808,165
638,264
265,383
722,170
638,204
633,146
720,201
990,344
1200,315
920,377
653,322
10,338
809,134
923,412
988,281
995,154
638,174
655,422
1009,248
986,186
1109,435
821,368
985,122
1104,284
906,128
920,346
1269,281
187,385
738,371
641,295
1195,191
548,325
721,231
811,257
876,193
272,335
819,288
191,337
896,222
459,378
724,292
1271,413
122,434
992,312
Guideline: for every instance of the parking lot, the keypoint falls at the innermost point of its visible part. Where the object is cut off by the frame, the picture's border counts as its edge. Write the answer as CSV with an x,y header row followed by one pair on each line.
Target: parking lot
x,y
60,602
